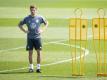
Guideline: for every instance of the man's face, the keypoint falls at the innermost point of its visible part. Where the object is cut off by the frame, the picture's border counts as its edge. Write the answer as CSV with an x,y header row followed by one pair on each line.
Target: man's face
x,y
33,11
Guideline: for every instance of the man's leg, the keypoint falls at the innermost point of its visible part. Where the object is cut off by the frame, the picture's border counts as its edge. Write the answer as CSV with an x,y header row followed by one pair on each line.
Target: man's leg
x,y
38,60
30,56
31,61
38,48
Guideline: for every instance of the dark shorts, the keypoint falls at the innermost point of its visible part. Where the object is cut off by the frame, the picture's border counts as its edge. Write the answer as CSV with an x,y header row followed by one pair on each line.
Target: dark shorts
x,y
34,43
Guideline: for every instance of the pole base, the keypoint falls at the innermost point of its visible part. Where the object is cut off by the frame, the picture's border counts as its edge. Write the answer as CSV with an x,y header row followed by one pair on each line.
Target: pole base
x,y
102,75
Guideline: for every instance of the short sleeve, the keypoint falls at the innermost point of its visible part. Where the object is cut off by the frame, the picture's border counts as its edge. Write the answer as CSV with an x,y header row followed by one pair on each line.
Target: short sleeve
x,y
43,20
23,21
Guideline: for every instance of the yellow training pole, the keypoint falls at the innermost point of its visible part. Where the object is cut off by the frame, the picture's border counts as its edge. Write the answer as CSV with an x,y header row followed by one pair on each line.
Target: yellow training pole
x,y
99,50
70,42
83,42
80,73
104,50
72,38
102,63
81,70
76,34
75,71
94,43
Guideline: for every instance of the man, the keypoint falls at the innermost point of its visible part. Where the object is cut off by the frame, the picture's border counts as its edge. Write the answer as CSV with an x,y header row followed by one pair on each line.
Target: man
x,y
33,23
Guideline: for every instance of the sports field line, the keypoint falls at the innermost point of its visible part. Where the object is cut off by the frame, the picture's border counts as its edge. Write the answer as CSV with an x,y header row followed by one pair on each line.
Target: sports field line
x,y
21,47
58,62
78,57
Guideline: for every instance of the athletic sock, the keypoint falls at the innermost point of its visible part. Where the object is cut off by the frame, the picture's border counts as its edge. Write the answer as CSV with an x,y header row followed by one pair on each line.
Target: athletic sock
x,y
38,66
31,66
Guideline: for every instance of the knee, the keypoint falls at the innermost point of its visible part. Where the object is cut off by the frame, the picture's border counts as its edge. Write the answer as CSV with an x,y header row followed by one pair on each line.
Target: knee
x,y
38,52
30,53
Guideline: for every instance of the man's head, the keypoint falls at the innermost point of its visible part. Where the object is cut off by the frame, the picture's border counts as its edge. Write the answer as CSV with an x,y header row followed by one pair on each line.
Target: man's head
x,y
33,10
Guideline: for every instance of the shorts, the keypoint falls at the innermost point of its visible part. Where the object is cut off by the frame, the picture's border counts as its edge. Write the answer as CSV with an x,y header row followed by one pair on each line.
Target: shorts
x,y
34,43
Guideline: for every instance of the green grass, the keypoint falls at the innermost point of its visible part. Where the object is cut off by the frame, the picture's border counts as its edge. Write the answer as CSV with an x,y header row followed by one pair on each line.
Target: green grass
x,y
9,21
51,53
14,22
55,3
57,12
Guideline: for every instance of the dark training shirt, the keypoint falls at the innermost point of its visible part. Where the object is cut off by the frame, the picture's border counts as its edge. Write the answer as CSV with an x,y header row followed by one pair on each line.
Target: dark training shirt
x,y
33,24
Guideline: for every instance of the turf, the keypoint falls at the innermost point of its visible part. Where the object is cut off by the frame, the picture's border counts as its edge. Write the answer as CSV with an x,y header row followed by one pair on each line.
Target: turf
x,y
12,60
56,3
14,21
13,42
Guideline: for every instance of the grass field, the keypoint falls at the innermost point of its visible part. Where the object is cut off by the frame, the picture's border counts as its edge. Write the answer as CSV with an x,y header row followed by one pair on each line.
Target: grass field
x,y
56,62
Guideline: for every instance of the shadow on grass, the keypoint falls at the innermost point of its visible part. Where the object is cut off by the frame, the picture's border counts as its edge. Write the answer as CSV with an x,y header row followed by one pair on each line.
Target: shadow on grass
x,y
61,76
74,77
58,77
14,72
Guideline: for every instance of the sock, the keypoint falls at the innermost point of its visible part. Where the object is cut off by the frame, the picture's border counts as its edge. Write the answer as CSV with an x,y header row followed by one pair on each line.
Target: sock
x,y
31,66
38,66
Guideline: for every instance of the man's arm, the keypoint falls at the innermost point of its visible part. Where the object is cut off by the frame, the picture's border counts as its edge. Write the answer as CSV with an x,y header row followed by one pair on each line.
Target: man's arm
x,y
44,28
22,29
46,25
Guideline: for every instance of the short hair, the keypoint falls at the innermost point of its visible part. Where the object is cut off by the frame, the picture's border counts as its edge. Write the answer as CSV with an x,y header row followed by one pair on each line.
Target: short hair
x,y
32,6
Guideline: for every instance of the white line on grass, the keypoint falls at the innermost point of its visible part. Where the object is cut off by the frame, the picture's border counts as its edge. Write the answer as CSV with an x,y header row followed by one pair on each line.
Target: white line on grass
x,y
58,62
78,57
21,47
